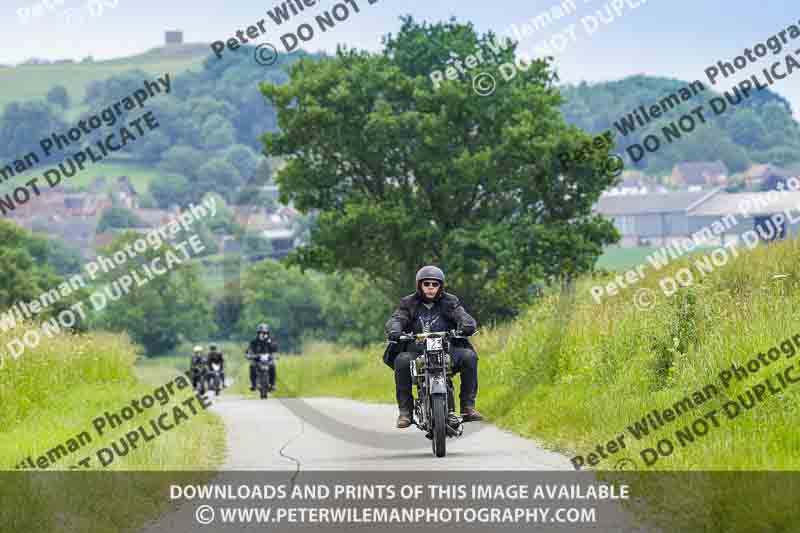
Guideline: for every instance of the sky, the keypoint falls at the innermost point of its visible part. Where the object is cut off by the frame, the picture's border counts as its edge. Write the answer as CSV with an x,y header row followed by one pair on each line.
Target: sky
x,y
675,38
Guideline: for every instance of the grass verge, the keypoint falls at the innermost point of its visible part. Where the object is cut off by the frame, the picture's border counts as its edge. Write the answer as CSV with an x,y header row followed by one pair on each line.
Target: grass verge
x,y
52,394
577,374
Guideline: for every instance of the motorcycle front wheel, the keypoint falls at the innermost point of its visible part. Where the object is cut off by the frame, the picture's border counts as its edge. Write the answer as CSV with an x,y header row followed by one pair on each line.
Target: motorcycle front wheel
x,y
264,386
439,416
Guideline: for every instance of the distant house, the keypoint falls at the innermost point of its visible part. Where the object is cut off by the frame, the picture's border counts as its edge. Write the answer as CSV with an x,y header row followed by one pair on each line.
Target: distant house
x,y
154,217
85,205
172,37
99,185
748,211
101,240
282,240
651,219
700,175
126,193
757,176
627,187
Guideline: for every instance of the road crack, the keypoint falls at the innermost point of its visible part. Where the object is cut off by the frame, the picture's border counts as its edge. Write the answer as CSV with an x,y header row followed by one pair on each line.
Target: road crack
x,y
295,460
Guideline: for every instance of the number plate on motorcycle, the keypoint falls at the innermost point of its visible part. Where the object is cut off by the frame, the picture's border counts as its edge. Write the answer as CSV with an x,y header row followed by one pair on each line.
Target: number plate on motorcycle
x,y
264,358
433,344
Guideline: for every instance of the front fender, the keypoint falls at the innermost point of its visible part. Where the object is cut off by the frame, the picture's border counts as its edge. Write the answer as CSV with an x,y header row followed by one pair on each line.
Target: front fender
x,y
438,385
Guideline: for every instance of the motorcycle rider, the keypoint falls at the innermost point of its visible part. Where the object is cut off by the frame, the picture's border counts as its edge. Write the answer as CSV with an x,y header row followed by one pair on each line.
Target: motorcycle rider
x,y
262,344
198,362
430,308
215,356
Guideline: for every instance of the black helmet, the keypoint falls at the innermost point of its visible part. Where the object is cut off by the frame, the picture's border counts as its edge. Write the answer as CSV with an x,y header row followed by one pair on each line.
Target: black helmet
x,y
213,347
430,272
263,328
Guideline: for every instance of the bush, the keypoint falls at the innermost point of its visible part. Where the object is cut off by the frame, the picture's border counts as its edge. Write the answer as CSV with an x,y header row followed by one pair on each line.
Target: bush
x,y
119,218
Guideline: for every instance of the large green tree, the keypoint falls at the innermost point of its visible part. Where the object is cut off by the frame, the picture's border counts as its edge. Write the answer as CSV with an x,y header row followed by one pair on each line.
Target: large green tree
x,y
23,125
170,308
29,266
285,298
59,96
405,174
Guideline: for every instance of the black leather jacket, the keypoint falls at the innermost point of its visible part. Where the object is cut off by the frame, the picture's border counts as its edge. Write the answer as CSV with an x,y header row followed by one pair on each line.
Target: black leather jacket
x,y
216,357
258,347
447,313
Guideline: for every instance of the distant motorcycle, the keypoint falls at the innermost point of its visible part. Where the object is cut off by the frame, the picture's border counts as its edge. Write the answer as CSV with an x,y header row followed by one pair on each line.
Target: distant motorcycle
x,y
432,373
263,364
199,369
214,378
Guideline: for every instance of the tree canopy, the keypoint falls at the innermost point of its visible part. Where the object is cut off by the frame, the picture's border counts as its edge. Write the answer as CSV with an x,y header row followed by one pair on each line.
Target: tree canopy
x,y
404,174
168,309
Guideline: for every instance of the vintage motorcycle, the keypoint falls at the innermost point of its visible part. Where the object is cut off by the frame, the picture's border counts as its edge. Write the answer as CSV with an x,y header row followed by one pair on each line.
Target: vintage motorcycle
x,y
432,374
199,369
263,364
214,378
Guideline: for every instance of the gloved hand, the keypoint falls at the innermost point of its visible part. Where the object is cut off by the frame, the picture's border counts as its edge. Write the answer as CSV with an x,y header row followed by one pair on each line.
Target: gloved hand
x,y
394,336
467,330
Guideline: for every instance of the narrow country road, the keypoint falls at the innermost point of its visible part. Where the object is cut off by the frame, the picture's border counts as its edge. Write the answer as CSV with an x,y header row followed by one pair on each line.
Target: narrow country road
x,y
339,434
288,437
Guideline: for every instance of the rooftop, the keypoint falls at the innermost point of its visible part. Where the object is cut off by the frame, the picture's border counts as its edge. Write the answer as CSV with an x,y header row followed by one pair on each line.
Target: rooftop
x,y
648,204
748,204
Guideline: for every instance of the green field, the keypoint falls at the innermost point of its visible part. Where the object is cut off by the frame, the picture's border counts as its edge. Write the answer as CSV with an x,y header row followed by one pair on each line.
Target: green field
x,y
32,82
624,258
617,258
140,175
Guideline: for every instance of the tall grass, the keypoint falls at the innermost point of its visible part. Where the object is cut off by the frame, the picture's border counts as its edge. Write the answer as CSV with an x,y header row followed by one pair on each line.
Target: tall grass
x,y
52,393
574,373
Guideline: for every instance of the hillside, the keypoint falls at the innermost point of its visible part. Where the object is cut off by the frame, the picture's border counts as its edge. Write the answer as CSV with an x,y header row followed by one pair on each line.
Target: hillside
x,y
31,82
761,129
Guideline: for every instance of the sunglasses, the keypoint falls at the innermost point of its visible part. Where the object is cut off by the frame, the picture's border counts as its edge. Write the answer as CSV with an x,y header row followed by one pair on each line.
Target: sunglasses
x,y
432,284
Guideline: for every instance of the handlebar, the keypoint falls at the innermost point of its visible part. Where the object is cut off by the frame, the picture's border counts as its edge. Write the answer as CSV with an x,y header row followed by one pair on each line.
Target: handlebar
x,y
257,356
419,337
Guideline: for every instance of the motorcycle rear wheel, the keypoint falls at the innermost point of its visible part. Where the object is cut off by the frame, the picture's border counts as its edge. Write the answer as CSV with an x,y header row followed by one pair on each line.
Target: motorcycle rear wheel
x,y
439,412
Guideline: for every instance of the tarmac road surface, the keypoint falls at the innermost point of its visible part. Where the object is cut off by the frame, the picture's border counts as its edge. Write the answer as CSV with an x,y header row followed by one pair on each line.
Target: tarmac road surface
x,y
288,437
340,434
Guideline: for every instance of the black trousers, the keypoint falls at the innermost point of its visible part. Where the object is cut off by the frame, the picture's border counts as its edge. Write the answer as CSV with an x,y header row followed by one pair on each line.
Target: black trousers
x,y
254,375
465,363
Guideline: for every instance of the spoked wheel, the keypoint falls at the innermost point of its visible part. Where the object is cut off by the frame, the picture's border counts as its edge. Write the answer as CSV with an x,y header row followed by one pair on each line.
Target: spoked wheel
x,y
439,412
264,387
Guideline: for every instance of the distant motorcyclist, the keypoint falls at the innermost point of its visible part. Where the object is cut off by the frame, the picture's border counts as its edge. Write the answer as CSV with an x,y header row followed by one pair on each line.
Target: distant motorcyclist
x,y
215,357
431,309
262,344
198,365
